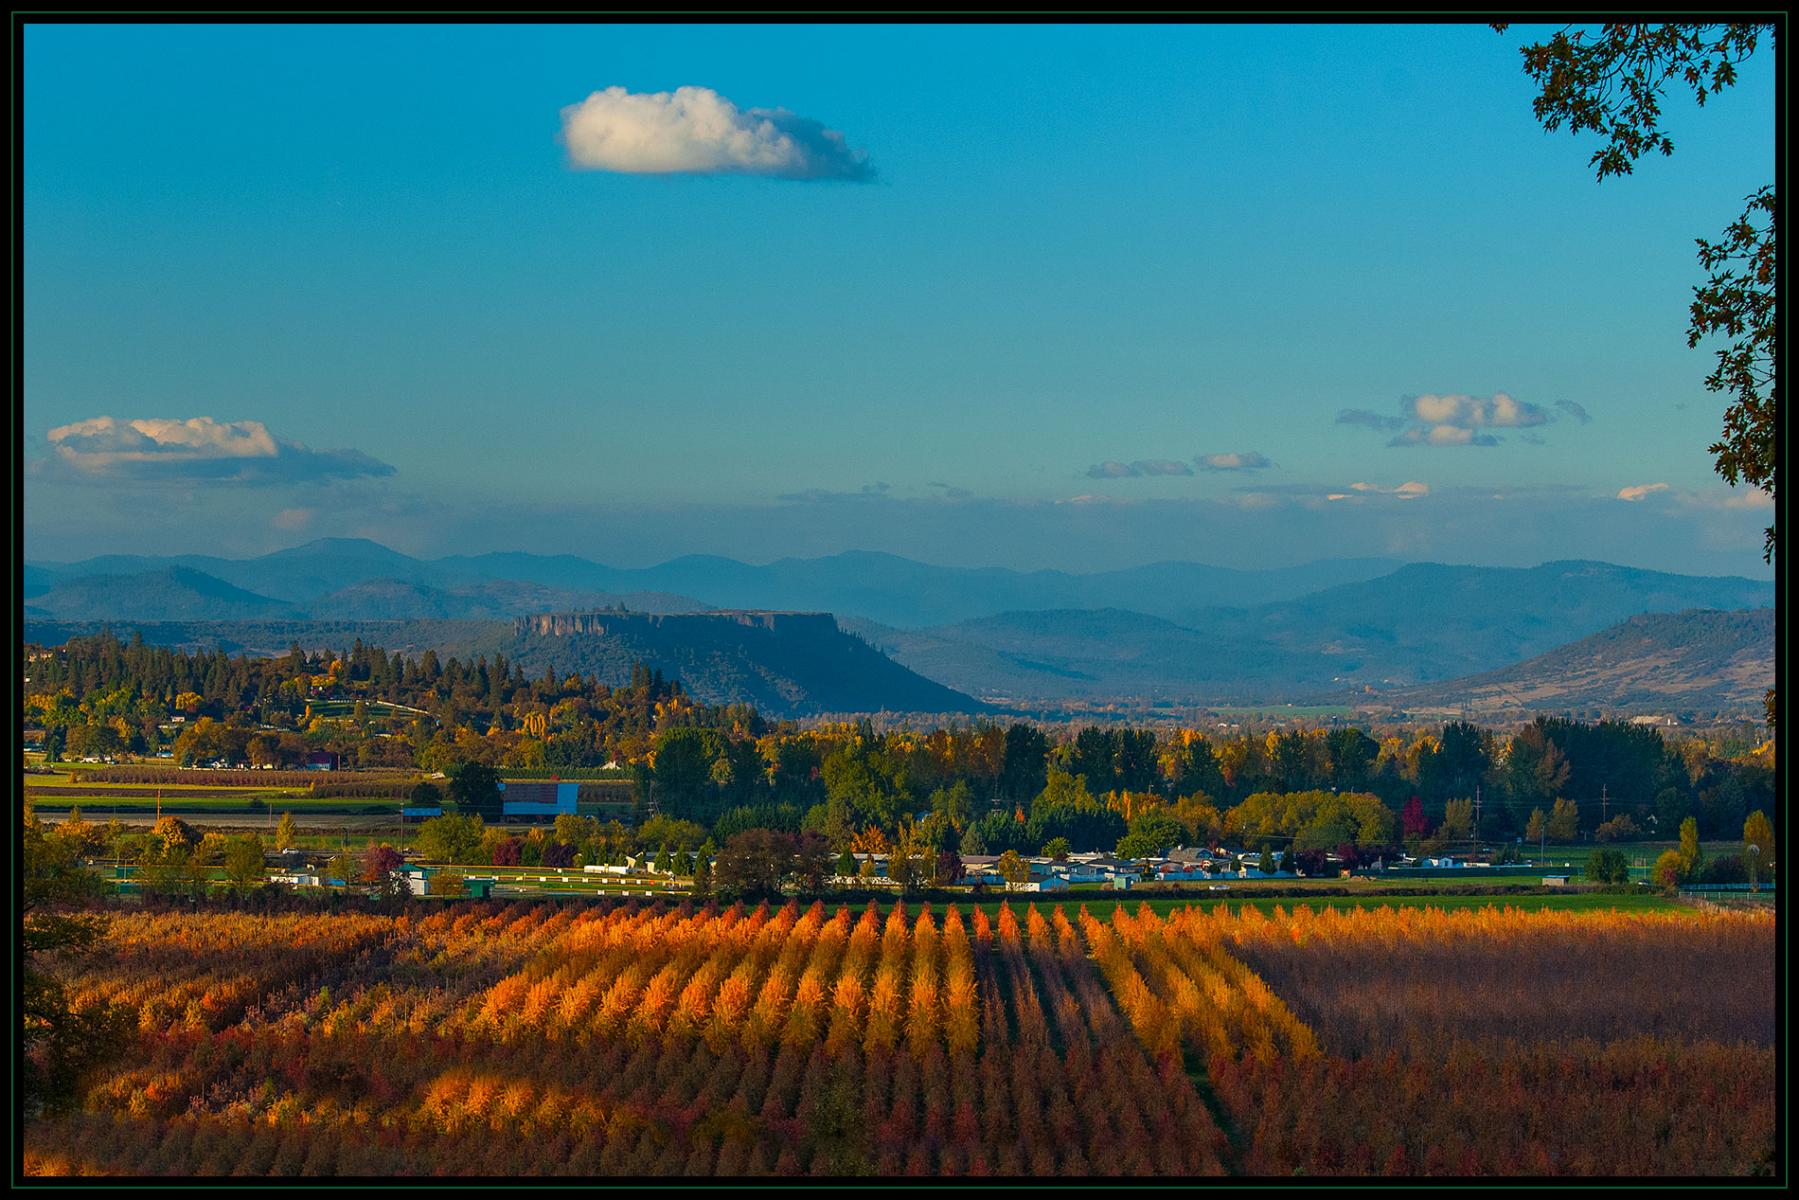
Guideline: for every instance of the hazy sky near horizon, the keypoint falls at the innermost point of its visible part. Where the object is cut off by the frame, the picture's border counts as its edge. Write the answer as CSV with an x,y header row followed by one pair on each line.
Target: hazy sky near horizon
x,y
1079,297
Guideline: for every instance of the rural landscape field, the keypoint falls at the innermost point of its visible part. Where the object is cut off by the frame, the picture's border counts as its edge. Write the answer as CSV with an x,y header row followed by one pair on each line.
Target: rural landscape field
x,y
529,1039
677,604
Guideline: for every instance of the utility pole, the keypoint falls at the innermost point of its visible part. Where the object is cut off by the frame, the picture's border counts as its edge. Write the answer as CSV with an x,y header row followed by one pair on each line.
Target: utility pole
x,y
1604,802
1477,818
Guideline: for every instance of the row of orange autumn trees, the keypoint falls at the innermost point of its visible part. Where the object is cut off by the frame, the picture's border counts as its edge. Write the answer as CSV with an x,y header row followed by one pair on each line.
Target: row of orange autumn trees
x,y
654,1040
1489,1041
531,1038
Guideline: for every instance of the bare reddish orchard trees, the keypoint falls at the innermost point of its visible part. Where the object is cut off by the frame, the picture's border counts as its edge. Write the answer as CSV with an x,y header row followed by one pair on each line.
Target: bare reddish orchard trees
x,y
535,1038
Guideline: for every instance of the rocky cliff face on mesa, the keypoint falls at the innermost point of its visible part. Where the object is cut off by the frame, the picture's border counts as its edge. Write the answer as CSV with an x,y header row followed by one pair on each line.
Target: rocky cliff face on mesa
x,y
785,663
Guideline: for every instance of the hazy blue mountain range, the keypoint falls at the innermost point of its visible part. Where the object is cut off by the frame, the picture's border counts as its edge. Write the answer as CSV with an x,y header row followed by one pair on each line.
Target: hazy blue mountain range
x,y
1423,622
1095,654
880,587
1701,660
1427,621
1336,628
164,594
184,593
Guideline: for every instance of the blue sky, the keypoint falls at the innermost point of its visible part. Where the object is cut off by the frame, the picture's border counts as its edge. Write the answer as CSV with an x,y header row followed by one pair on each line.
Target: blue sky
x,y
1067,251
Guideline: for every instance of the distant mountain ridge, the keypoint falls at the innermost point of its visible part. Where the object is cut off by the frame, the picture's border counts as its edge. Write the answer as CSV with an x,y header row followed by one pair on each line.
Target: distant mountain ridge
x,y
184,593
1663,663
1423,622
880,587
167,594
1149,633
1430,621
786,664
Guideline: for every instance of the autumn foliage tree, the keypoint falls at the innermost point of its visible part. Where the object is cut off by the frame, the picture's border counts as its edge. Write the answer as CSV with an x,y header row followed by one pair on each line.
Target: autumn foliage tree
x,y
59,1043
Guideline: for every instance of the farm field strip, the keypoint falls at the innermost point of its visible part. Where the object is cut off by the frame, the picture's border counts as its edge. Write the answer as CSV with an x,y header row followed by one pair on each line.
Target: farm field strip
x,y
534,1038
543,1038
1587,903
1495,1042
217,806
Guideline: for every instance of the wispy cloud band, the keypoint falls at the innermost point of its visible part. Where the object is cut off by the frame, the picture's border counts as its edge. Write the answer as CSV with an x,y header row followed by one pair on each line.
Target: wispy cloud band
x,y
1247,460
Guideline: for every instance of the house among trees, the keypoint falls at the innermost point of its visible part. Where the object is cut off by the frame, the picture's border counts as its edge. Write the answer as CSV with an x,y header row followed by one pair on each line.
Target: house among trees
x,y
1113,868
418,881
537,798
1080,872
978,869
319,760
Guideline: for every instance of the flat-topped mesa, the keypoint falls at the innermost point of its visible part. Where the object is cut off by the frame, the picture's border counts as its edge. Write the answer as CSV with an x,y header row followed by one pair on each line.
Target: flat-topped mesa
x,y
615,623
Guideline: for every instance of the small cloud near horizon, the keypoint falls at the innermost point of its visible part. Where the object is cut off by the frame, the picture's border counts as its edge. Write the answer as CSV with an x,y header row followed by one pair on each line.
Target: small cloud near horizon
x,y
1456,419
1412,489
868,491
1369,418
200,448
1249,460
696,131
1639,491
1135,470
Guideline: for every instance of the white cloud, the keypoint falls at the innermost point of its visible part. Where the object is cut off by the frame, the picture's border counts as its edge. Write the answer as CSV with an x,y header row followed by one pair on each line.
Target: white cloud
x,y
696,131
1640,490
199,448
1498,411
1457,420
1753,498
1412,489
101,442
1249,460
1257,500
1741,499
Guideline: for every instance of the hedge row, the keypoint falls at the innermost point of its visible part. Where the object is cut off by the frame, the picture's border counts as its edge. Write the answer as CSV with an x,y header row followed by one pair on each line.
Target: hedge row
x,y
239,777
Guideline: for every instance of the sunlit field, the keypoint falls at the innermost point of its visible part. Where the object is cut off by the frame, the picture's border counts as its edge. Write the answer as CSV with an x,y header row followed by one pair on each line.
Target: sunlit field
x,y
532,1038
